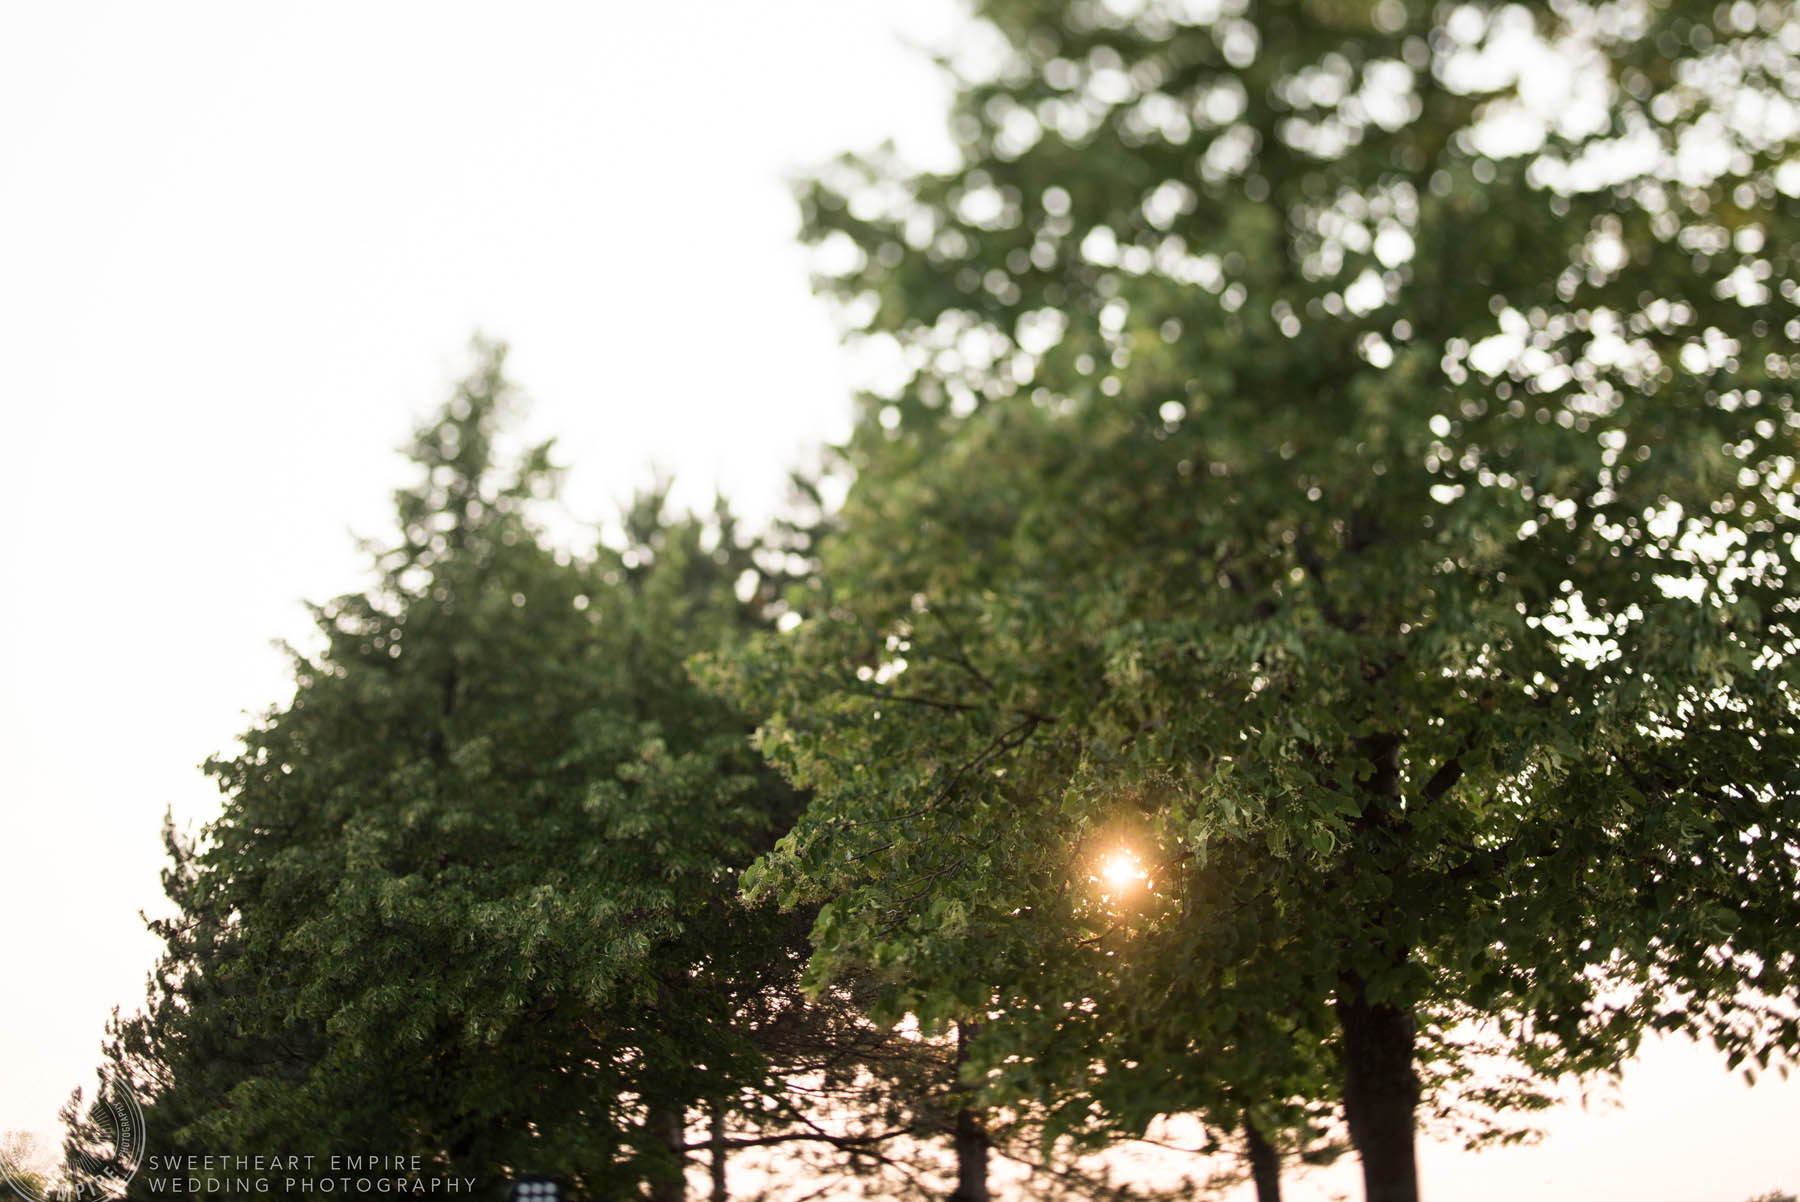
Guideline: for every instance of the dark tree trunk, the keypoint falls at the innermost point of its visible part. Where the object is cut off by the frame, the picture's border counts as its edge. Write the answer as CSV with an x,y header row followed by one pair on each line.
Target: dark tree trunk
x,y
1265,1163
670,1127
1381,1092
971,1159
970,1138
717,1131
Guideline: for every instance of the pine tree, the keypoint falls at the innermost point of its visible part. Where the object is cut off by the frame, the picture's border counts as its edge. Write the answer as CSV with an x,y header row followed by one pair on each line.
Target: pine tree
x,y
473,891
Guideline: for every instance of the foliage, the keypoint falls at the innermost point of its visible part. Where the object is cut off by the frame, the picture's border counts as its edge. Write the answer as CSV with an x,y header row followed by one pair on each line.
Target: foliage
x,y
103,1140
23,1166
1332,466
472,892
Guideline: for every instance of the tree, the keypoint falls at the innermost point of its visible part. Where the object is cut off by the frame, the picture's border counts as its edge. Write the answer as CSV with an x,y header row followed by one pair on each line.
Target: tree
x,y
472,894
103,1140
1356,480
22,1165
189,1045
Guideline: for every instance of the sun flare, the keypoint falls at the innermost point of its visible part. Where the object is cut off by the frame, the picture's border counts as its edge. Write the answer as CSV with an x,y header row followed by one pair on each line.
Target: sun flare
x,y
1122,871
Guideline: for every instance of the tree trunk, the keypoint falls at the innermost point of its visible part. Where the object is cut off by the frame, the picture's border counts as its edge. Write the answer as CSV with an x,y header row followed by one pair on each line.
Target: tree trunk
x,y
971,1159
1381,1093
1265,1163
970,1138
719,1192
670,1127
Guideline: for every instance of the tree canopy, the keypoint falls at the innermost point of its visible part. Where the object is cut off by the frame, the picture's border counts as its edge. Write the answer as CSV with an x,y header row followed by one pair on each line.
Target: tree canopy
x,y
472,893
1340,458
1313,612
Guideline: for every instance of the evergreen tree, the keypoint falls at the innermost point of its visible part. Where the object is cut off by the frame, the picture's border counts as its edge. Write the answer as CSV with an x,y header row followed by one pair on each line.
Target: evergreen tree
x,y
473,892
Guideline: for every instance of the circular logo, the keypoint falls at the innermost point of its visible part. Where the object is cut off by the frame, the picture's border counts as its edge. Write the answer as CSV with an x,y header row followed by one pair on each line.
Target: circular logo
x,y
104,1146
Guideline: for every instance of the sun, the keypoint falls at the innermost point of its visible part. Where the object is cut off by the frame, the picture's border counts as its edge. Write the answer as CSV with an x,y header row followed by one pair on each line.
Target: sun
x,y
1122,871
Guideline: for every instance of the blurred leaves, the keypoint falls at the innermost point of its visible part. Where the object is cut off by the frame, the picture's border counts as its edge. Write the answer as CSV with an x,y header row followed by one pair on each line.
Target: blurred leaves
x,y
1317,447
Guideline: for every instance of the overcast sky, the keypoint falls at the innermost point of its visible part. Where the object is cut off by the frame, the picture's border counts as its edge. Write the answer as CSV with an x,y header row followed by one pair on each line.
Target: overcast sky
x,y
242,251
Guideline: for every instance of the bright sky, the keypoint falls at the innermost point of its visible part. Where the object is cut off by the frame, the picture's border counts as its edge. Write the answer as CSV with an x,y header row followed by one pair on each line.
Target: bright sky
x,y
244,247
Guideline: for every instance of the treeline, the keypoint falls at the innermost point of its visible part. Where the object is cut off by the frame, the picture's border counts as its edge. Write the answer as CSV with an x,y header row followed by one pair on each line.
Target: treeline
x,y
1309,646
473,894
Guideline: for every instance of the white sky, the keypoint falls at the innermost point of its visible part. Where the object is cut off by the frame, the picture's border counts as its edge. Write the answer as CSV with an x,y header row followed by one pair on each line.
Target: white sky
x,y
242,248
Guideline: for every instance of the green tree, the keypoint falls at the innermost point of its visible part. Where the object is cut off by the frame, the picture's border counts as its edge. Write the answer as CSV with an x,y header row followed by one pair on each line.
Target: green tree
x,y
472,894
103,1140
1356,479
189,1044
